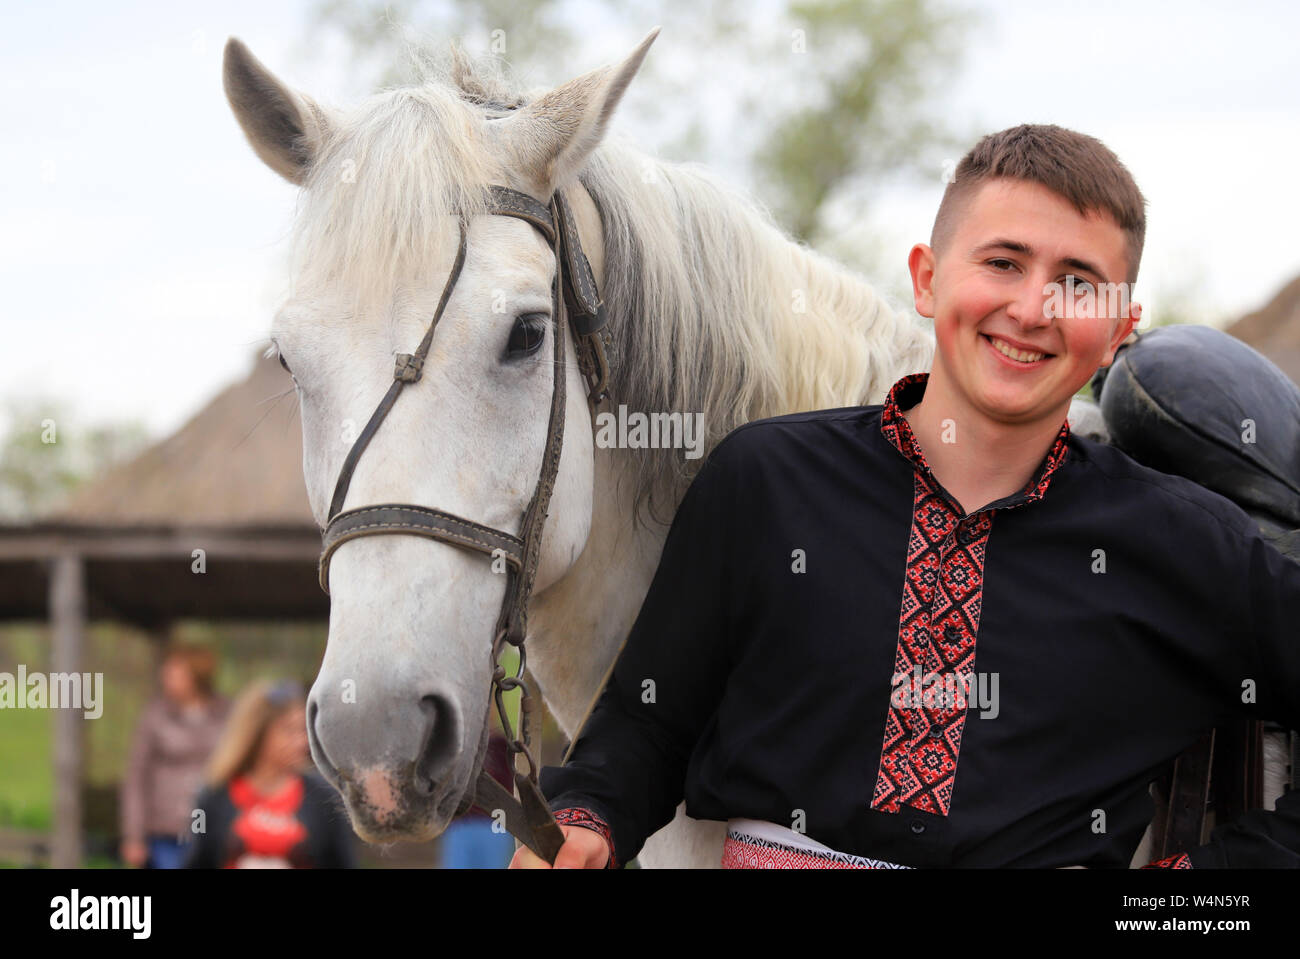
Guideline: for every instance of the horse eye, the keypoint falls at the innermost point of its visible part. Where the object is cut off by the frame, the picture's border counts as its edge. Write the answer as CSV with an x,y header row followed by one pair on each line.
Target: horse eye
x,y
527,335
285,365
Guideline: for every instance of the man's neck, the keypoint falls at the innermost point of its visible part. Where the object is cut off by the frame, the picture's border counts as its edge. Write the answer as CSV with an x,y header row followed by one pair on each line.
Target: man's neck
x,y
977,460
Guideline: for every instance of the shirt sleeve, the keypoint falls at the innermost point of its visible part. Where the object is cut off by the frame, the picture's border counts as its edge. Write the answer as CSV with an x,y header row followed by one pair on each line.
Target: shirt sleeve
x,y
628,765
1262,838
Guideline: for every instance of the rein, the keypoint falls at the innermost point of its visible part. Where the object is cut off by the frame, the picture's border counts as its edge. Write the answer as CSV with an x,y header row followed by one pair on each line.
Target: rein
x,y
576,304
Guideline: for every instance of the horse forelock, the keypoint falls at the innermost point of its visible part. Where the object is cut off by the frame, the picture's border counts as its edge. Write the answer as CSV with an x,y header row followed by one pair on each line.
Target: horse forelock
x,y
377,207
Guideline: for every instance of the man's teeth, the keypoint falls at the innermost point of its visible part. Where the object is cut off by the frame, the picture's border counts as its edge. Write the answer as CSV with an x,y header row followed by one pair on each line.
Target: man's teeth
x,y
1006,349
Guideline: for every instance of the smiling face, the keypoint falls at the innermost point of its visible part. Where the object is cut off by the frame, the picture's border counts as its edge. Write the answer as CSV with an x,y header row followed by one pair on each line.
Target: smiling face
x,y
1019,299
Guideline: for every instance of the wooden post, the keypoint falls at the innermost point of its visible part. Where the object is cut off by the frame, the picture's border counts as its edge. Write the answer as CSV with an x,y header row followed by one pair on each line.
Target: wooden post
x,y
67,627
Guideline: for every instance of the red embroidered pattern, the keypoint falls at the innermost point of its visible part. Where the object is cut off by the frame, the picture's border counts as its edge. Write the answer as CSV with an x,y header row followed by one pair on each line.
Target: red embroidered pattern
x,y
937,623
1180,861
578,816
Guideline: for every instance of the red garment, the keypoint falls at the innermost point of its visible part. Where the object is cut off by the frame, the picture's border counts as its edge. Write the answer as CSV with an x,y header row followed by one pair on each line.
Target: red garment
x,y
266,823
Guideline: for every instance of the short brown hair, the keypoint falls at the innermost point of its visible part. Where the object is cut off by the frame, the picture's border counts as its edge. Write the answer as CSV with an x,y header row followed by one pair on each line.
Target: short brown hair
x,y
1072,165
201,661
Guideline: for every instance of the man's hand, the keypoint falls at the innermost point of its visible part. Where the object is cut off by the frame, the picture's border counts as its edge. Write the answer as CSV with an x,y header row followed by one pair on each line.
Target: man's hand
x,y
582,849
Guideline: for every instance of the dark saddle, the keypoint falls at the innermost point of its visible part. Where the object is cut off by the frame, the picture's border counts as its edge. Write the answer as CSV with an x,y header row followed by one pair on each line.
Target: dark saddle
x,y
1196,402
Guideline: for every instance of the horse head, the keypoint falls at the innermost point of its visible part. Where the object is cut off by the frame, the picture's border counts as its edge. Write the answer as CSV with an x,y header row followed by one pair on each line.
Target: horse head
x,y
398,718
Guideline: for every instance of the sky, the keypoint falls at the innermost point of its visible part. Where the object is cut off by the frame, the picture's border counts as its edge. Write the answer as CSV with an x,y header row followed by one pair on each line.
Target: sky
x,y
142,241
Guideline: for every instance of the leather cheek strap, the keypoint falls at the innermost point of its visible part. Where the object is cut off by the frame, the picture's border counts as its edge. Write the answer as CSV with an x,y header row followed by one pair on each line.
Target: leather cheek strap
x,y
408,369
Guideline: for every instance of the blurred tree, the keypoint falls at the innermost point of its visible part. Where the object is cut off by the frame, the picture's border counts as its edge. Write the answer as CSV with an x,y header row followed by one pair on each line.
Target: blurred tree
x,y
867,73
389,38
44,456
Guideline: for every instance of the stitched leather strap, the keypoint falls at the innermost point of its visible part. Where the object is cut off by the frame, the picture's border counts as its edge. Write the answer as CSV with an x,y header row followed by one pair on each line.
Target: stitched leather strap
x,y
508,202
519,587
530,823
407,370
419,521
588,311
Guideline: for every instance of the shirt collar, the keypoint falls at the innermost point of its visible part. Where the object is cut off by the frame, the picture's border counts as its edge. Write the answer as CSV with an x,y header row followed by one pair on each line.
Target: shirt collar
x,y
907,392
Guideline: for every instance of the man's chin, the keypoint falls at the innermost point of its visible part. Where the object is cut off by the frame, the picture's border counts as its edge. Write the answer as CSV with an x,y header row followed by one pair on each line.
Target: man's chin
x,y
1024,409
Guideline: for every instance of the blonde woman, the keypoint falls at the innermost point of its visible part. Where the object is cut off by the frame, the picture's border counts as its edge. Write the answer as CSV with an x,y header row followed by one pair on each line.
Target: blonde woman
x,y
173,739
264,806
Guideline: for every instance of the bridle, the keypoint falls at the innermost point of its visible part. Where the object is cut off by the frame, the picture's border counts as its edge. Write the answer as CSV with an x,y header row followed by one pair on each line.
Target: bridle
x,y
574,303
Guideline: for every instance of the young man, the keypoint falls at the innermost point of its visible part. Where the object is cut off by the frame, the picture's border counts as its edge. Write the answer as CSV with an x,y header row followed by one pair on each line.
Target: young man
x,y
946,631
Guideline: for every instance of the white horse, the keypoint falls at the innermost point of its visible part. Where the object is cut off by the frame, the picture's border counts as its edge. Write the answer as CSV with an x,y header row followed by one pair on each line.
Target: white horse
x,y
712,308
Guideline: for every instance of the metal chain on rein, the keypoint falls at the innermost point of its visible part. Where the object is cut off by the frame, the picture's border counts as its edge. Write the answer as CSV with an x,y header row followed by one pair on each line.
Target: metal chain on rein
x,y
502,684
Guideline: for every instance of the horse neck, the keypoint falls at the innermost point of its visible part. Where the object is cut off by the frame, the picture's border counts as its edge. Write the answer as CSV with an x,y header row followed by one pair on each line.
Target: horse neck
x,y
577,624
818,335
714,309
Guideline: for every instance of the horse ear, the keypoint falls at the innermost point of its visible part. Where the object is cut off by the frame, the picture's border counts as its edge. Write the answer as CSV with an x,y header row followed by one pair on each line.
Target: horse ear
x,y
286,129
554,134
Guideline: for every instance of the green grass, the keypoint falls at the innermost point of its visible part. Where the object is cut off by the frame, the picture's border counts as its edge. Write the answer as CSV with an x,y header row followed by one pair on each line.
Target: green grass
x,y
27,780
126,657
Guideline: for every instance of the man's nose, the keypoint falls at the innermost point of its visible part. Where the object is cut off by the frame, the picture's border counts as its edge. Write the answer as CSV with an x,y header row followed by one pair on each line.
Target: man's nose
x,y
1032,302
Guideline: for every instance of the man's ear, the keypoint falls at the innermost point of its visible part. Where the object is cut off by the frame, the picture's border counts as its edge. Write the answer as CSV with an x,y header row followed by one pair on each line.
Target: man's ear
x,y
1123,327
921,263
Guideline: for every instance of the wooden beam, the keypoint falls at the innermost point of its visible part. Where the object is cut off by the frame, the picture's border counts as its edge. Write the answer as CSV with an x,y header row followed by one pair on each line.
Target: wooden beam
x,y
52,540
68,629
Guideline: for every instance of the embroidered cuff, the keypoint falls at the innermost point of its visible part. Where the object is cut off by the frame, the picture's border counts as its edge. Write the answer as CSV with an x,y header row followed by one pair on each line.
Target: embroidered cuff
x,y
578,816
1180,861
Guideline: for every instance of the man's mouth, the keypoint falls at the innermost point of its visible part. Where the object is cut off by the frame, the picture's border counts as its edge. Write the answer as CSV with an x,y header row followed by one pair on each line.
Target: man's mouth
x,y
1013,352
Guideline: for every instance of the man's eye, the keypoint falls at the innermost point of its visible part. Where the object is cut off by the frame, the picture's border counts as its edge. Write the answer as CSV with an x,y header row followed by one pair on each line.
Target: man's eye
x,y
998,263
1078,284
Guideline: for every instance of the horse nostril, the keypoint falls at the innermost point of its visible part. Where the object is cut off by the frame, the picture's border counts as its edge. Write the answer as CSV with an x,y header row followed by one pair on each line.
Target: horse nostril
x,y
438,745
317,750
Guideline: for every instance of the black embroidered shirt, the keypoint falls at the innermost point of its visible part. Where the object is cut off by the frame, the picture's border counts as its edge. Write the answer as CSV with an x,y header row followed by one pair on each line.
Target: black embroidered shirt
x,y
832,644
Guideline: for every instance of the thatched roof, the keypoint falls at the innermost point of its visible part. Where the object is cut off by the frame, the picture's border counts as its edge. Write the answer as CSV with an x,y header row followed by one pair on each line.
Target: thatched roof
x,y
1274,330
238,462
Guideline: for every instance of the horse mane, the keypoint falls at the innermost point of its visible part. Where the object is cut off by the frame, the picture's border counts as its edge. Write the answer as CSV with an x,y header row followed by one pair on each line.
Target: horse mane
x,y
713,309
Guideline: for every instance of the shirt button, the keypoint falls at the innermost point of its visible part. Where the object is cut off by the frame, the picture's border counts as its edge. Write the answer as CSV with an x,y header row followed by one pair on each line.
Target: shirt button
x,y
965,535
916,826
951,633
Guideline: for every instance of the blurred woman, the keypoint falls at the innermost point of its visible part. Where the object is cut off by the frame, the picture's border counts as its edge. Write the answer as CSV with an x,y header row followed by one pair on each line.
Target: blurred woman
x,y
173,739
264,806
